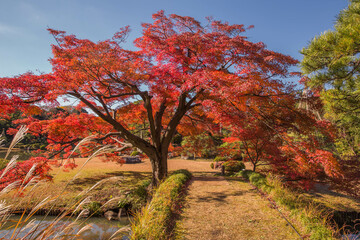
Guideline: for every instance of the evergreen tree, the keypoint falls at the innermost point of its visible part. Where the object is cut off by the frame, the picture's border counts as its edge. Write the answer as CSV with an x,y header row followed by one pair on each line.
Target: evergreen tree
x,y
332,65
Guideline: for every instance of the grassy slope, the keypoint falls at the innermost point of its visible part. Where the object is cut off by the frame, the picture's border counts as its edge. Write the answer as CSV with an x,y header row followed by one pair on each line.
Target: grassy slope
x,y
155,221
114,184
312,215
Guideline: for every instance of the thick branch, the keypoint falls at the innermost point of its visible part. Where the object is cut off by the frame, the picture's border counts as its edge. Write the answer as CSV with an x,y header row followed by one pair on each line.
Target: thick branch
x,y
123,132
183,107
121,95
149,111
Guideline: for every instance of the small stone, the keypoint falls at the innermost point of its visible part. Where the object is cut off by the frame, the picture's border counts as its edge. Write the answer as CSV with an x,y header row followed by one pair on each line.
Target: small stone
x,y
110,215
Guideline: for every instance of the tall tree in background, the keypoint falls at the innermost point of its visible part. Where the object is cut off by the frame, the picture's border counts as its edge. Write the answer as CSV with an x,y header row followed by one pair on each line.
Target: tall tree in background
x,y
181,65
332,65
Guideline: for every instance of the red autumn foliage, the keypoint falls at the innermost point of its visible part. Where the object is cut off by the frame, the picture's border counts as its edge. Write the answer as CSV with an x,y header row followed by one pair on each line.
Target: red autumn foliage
x,y
277,133
183,70
21,170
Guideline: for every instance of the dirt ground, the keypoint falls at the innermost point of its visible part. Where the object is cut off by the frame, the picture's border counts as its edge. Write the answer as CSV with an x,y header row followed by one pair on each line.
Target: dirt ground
x,y
219,209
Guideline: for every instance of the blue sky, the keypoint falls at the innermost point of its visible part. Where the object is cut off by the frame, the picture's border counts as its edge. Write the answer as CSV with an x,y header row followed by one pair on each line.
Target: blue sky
x,y
285,26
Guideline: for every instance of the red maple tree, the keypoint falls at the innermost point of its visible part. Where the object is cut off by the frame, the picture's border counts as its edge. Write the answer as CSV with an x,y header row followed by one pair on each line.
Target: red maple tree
x,y
181,65
273,129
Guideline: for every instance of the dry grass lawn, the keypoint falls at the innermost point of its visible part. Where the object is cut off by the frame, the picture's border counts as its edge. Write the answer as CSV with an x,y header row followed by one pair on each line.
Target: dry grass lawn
x,y
145,166
120,178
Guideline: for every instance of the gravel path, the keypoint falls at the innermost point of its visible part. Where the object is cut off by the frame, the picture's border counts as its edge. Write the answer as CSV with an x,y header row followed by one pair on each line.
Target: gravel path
x,y
219,209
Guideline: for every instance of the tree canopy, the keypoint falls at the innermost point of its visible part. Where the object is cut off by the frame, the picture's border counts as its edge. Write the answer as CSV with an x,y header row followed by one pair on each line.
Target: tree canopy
x,y
331,63
182,68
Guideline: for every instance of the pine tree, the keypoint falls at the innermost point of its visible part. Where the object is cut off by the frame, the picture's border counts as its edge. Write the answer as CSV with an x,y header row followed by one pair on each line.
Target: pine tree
x,y
332,65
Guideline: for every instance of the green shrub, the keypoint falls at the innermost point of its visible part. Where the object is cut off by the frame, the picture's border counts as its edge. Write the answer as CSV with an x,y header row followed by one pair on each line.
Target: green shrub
x,y
244,173
257,179
184,172
141,189
154,220
93,207
125,203
220,159
237,157
233,166
3,163
134,153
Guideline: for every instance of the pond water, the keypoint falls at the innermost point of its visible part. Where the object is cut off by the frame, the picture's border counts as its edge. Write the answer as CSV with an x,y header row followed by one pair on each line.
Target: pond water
x,y
351,237
101,228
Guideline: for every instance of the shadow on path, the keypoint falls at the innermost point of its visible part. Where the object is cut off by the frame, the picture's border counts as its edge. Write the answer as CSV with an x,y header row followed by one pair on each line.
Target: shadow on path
x,y
216,208
218,196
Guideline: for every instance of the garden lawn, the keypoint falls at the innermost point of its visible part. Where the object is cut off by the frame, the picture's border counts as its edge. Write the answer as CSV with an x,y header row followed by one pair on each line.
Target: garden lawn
x,y
116,181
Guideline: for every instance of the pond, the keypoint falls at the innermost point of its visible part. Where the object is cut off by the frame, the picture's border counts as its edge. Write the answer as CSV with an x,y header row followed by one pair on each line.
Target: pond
x,y
351,237
101,227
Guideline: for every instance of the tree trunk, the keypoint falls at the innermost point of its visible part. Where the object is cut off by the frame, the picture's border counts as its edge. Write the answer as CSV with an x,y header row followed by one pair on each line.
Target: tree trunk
x,y
159,168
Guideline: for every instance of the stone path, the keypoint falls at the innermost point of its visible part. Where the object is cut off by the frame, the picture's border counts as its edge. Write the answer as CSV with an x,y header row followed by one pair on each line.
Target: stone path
x,y
217,209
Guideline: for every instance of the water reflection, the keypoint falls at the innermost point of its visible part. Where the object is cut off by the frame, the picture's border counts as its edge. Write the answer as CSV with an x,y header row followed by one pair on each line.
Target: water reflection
x,y
351,237
101,228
